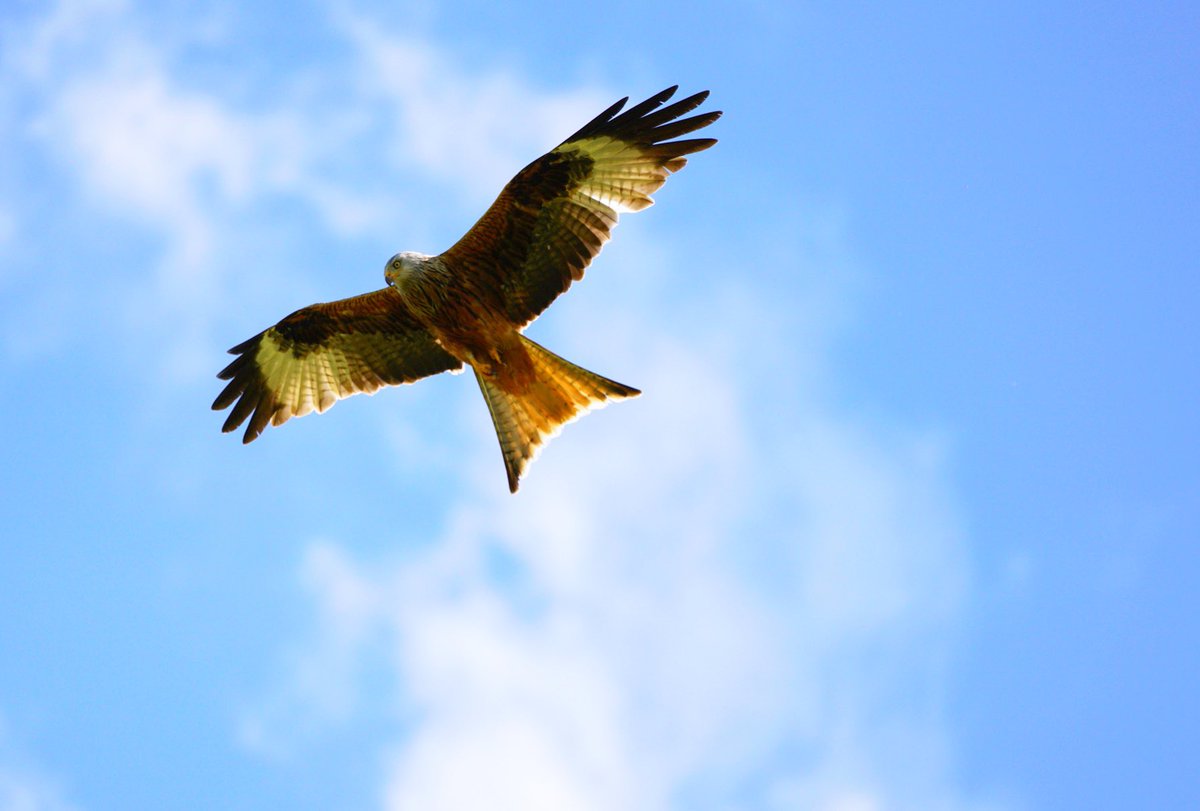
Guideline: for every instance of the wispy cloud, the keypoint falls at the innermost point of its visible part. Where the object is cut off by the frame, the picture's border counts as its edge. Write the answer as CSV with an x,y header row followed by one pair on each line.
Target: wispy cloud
x,y
469,129
694,601
141,146
726,592
112,100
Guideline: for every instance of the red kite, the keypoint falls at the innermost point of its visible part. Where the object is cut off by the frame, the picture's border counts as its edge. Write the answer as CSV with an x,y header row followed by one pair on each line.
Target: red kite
x,y
469,304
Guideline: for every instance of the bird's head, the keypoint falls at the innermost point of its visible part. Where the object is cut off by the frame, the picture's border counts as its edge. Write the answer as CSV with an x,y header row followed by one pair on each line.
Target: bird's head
x,y
401,266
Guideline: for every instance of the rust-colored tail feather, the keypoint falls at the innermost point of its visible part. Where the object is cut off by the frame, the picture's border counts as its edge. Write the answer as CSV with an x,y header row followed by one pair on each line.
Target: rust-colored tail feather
x,y
559,393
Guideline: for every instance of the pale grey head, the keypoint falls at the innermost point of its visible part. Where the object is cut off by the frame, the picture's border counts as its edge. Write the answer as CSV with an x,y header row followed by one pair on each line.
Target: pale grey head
x,y
401,266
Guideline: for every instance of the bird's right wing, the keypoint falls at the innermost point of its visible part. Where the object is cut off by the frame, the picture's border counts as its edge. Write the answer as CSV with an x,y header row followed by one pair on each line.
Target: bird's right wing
x,y
555,215
324,352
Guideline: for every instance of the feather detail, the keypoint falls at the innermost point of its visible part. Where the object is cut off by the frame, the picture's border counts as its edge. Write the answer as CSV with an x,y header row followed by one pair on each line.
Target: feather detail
x,y
323,353
556,214
529,415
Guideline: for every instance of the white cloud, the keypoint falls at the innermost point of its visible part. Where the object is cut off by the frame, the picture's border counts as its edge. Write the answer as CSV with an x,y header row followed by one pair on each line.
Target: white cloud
x,y
689,589
113,101
105,102
322,679
68,27
142,144
473,129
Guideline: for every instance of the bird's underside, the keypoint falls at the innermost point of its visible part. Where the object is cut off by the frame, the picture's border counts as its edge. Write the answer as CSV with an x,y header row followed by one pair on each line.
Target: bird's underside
x,y
468,305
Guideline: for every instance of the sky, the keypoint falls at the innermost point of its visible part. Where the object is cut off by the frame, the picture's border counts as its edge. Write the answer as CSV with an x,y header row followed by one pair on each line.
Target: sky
x,y
906,517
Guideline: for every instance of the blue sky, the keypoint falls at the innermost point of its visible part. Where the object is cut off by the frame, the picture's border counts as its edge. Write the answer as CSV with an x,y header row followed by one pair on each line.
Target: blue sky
x,y
907,517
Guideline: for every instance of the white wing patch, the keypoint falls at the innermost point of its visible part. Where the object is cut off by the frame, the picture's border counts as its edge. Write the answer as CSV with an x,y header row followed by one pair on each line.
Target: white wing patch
x,y
623,177
312,383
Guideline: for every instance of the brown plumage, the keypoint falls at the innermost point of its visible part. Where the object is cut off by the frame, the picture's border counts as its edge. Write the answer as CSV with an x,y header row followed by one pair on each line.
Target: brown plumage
x,y
468,305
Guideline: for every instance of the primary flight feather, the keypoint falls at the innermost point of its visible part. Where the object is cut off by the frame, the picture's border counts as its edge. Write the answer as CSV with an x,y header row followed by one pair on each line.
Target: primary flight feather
x,y
469,304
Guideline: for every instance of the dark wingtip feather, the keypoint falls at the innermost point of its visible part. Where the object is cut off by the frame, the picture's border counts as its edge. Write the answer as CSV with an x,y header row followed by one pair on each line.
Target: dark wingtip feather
x,y
241,409
609,119
689,146
599,121
638,111
645,123
261,417
683,126
245,345
227,396
672,111
231,371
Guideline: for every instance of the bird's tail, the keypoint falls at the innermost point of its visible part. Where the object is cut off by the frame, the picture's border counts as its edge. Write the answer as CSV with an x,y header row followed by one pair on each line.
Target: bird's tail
x,y
529,414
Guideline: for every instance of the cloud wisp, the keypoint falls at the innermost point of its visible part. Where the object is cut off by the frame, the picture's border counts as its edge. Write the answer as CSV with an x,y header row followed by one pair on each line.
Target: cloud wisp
x,y
730,593
111,97
693,604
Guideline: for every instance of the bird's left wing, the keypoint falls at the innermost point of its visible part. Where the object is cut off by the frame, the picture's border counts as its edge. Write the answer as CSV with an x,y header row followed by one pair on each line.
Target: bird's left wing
x,y
322,353
553,218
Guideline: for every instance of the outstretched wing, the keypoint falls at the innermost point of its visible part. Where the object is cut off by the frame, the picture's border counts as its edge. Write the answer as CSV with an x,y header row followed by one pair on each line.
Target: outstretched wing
x,y
552,219
322,353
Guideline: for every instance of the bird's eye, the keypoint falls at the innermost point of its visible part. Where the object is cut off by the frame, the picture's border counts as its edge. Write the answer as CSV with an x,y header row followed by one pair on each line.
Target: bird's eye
x,y
395,264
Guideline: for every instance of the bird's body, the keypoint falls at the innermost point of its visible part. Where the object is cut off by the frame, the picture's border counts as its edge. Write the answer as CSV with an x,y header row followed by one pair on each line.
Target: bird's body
x,y
464,318
469,305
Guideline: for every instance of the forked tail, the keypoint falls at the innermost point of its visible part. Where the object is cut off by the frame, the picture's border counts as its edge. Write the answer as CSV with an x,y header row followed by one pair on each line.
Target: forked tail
x,y
559,392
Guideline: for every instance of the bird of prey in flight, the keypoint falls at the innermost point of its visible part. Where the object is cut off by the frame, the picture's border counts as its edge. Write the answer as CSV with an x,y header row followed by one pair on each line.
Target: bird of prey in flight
x,y
469,304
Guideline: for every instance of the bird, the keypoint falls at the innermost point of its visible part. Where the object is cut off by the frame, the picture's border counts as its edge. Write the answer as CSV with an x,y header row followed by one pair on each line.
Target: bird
x,y
469,305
